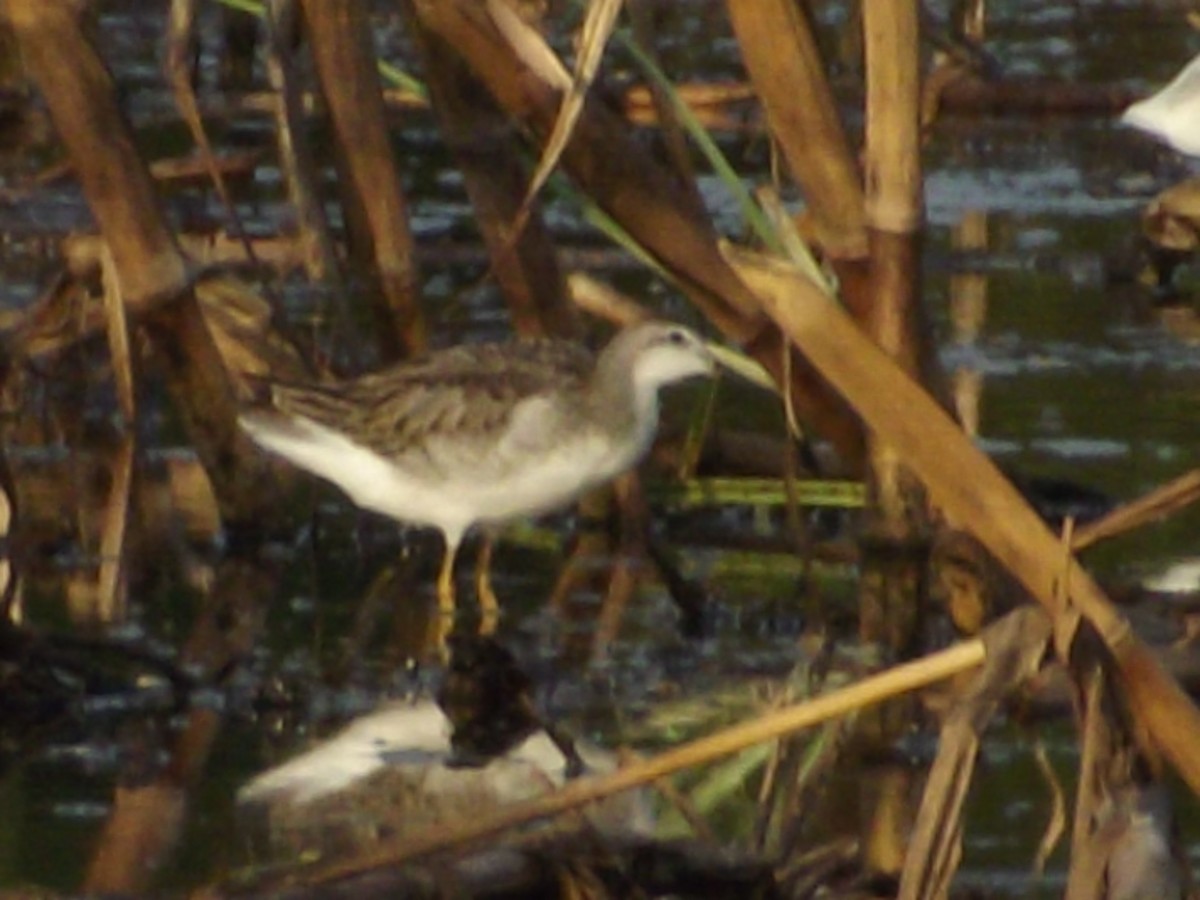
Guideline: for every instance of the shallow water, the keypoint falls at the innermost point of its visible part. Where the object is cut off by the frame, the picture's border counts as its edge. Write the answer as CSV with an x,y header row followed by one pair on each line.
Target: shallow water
x,y
1080,379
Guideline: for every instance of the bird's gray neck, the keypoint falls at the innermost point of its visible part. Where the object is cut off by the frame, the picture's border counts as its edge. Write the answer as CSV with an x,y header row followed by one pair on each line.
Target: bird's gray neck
x,y
617,394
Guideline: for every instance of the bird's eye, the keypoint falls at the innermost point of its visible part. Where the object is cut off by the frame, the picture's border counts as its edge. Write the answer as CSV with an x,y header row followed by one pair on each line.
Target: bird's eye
x,y
678,338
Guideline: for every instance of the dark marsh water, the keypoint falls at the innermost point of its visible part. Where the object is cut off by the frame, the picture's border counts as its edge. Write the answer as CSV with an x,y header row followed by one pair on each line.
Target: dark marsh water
x,y
1081,377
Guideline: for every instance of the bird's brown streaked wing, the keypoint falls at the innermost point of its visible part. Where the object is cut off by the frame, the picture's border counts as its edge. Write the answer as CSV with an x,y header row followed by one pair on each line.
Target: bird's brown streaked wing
x,y
323,403
463,391
457,407
537,356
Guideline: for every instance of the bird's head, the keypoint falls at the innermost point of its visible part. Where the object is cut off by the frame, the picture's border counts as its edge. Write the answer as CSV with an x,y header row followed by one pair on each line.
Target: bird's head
x,y
661,353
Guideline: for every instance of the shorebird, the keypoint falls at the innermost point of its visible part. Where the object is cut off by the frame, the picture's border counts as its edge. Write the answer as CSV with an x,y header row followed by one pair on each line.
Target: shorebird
x,y
1173,113
479,434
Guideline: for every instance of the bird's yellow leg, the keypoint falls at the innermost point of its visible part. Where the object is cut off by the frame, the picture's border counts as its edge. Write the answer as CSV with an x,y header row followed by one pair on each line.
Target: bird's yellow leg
x,y
489,606
443,619
445,586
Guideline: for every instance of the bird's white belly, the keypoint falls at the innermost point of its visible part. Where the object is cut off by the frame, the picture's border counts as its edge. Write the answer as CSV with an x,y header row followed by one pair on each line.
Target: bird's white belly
x,y
548,481
514,479
370,480
494,490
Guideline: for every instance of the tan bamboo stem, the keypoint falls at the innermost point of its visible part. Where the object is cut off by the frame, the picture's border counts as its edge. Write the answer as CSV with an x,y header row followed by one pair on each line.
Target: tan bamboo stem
x,y
340,36
893,161
894,203
897,680
891,591
784,63
785,67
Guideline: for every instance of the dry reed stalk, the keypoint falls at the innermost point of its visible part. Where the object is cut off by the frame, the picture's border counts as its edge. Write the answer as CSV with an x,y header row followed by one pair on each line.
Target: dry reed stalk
x,y
339,34
1016,646
615,584
894,199
972,492
239,320
181,26
1056,825
874,689
603,301
730,109
631,187
894,202
82,102
173,170
630,554
788,74
1163,501
680,801
114,530
642,15
1086,875
893,162
152,272
524,261
117,332
598,23
295,154
246,334
143,825
697,95
82,252
891,593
